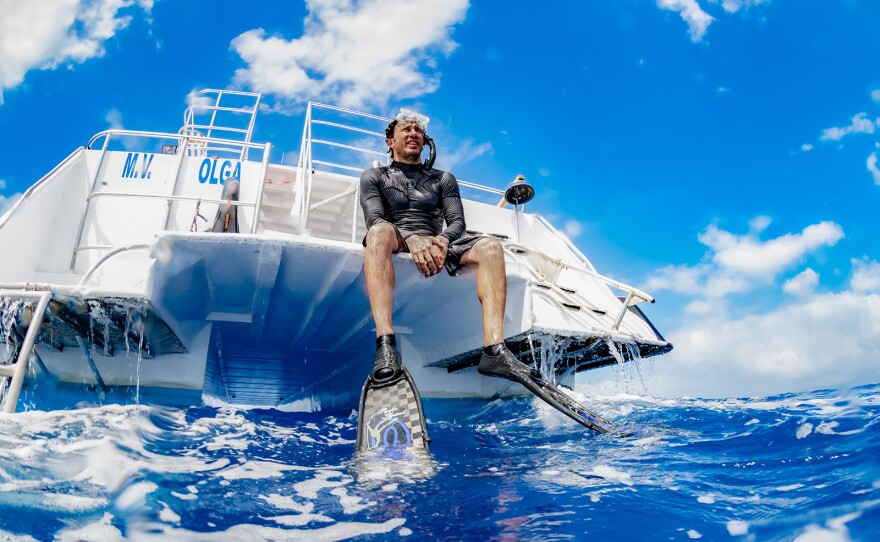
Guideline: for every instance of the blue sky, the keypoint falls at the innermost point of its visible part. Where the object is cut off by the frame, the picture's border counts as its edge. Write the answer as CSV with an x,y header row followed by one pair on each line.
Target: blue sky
x,y
721,154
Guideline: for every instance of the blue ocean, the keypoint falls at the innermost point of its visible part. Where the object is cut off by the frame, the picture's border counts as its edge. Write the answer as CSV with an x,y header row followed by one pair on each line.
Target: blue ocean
x,y
799,466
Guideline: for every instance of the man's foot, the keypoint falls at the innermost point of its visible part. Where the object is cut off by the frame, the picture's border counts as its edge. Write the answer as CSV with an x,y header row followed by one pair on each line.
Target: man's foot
x,y
387,363
498,361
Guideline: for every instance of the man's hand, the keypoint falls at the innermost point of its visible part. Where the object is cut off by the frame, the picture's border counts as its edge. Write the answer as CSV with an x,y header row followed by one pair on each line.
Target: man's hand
x,y
428,252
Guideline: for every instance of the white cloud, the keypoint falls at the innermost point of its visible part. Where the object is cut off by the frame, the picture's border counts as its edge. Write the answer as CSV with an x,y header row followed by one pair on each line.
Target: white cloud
x,y
732,6
875,95
860,124
866,276
464,151
572,229
2,184
353,53
750,256
812,341
803,346
806,147
740,263
48,33
872,167
114,117
697,19
802,284
6,202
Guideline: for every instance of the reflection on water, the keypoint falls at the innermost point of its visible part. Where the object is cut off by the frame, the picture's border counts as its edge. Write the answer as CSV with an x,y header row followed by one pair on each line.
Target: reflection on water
x,y
763,469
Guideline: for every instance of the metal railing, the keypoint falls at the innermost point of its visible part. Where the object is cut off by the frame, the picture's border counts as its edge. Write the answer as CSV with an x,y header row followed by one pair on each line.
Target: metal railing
x,y
185,141
16,370
196,110
634,296
306,166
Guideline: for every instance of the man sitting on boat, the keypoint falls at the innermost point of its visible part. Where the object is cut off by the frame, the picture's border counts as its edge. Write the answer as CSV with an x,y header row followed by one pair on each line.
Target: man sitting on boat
x,y
405,205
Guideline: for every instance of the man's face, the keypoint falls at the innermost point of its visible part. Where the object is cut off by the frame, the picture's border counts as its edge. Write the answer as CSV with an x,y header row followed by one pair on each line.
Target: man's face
x,y
407,142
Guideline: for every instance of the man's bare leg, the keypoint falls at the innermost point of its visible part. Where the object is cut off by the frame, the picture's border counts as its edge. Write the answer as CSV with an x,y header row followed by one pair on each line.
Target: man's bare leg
x,y
497,360
488,256
379,272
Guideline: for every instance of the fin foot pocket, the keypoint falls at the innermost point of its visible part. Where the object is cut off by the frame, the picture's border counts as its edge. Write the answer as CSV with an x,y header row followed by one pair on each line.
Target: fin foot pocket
x,y
387,365
505,365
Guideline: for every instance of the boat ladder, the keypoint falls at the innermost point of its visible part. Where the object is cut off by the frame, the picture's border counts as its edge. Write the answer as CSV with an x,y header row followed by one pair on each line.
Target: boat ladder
x,y
12,374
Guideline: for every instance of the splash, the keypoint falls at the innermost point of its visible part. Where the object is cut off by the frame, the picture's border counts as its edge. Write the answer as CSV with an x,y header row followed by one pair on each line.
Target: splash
x,y
632,373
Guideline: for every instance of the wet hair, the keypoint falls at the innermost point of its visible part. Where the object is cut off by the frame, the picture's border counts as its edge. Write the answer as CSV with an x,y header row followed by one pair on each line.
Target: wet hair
x,y
389,130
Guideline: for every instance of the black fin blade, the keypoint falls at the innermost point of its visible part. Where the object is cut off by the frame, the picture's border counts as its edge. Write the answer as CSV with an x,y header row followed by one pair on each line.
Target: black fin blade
x,y
390,418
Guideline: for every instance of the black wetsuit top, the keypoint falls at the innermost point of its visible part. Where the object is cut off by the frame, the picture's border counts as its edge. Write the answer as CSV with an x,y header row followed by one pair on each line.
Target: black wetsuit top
x,y
413,199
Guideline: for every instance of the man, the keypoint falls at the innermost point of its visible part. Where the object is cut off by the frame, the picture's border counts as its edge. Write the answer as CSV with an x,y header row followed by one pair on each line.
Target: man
x,y
405,205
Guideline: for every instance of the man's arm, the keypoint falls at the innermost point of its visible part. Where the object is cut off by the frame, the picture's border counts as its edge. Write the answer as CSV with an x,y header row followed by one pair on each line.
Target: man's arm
x,y
453,211
371,198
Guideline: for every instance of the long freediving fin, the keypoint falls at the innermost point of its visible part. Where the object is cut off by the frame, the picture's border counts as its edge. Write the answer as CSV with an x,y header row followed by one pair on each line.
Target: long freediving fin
x,y
390,418
505,365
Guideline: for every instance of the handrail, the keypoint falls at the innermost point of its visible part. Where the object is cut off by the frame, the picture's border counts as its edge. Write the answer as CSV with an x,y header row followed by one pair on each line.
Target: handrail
x,y
190,113
307,161
170,198
106,257
578,254
186,140
30,191
521,251
574,267
168,135
17,370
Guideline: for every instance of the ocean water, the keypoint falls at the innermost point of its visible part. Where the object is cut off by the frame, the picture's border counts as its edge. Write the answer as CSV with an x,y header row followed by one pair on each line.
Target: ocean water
x,y
790,467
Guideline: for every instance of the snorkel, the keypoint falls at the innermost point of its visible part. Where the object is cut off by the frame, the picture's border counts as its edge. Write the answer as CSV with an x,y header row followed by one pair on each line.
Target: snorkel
x,y
407,116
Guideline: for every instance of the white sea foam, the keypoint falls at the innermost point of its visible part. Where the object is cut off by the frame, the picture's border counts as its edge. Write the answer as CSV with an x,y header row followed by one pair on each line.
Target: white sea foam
x,y
322,480
737,528
804,430
6,536
610,474
72,503
350,504
168,515
97,531
256,470
135,495
331,533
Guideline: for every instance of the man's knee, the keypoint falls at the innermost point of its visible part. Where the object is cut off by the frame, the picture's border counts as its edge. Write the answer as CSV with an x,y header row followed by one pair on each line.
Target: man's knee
x,y
489,250
382,236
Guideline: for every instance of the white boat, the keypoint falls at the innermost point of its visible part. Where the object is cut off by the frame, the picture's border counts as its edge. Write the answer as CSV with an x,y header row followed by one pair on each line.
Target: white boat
x,y
110,279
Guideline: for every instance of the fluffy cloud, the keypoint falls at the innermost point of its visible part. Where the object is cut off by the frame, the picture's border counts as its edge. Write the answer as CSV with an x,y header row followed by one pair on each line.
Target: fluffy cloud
x,y
6,202
802,284
813,341
748,255
732,6
860,124
866,276
872,167
739,263
462,151
573,229
353,53
48,33
697,19
827,341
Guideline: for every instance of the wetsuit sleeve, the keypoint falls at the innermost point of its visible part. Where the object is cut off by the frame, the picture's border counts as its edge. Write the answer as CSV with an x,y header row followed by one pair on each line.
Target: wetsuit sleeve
x,y
453,211
371,199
